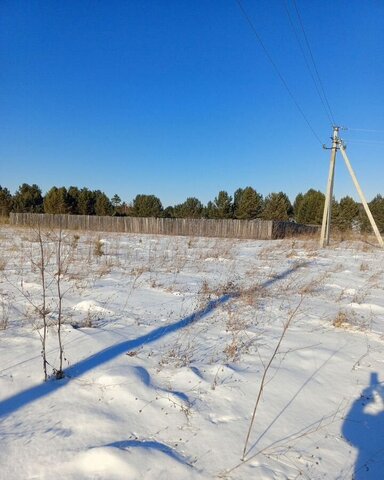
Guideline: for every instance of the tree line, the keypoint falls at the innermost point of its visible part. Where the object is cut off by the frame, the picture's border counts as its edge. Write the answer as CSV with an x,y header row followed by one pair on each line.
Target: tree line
x,y
246,203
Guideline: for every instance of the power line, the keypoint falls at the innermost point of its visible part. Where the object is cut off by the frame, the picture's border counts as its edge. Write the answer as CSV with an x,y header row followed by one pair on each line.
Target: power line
x,y
364,130
313,61
279,74
322,99
367,142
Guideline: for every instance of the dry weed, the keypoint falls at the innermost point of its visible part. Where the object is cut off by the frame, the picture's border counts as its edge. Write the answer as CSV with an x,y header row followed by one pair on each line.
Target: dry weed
x,y
98,248
351,320
364,267
341,320
3,264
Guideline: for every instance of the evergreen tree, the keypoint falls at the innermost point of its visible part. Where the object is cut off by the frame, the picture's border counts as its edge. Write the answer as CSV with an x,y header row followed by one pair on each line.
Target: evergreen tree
x,y
209,210
116,201
248,203
147,206
73,200
86,202
28,198
277,207
311,207
222,206
168,212
236,200
296,204
191,208
6,201
56,200
345,213
103,205
377,209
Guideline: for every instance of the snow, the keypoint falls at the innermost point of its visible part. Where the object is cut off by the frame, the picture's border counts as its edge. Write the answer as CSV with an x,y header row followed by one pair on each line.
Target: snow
x,y
166,340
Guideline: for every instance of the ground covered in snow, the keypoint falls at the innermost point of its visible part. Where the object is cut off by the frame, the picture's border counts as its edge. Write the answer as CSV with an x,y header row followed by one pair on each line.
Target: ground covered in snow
x,y
166,341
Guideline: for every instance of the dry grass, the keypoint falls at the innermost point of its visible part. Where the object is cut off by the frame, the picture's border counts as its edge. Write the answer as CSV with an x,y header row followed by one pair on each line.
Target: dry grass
x,y
341,320
364,267
98,248
351,320
3,264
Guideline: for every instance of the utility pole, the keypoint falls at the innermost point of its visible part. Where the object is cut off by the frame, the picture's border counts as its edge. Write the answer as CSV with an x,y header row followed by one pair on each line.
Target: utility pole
x,y
326,224
338,144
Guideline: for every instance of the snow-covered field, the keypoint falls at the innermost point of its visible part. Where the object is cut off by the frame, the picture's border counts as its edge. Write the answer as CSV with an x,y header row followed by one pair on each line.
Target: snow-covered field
x,y
166,340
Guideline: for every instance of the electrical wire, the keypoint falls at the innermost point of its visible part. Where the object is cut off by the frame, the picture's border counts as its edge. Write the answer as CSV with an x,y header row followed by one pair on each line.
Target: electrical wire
x,y
316,83
364,130
277,71
313,61
367,142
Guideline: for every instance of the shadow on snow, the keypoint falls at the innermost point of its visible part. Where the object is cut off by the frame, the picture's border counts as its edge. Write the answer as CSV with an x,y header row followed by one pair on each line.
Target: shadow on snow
x,y
363,428
19,400
144,376
148,444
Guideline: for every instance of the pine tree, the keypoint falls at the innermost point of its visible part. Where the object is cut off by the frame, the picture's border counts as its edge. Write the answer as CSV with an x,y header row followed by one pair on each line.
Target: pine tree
x,y
56,200
168,212
311,207
191,208
147,206
28,198
86,202
377,209
6,201
209,210
236,200
73,200
248,203
116,201
296,204
222,206
345,213
103,205
277,207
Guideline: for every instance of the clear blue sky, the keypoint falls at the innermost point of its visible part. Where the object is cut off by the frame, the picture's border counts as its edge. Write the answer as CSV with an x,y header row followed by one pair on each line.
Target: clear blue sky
x,y
177,98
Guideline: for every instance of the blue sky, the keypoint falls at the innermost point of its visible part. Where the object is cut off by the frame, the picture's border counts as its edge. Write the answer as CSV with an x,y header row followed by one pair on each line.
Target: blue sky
x,y
176,97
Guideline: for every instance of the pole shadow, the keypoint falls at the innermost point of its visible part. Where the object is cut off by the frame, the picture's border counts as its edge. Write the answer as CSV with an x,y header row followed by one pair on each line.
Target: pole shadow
x,y
30,395
363,428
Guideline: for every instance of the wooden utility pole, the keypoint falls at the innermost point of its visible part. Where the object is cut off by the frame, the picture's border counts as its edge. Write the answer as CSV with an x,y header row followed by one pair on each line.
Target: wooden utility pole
x,y
337,144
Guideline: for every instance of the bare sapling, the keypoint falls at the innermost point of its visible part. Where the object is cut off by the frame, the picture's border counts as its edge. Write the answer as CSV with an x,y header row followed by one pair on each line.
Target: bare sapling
x,y
263,378
59,264
51,272
65,250
40,264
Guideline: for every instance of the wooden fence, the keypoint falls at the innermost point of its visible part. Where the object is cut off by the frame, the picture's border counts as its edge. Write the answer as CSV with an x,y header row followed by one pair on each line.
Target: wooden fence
x,y
227,228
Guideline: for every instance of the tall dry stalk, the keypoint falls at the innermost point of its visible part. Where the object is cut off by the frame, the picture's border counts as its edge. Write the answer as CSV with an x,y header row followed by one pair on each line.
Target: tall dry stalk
x,y
263,379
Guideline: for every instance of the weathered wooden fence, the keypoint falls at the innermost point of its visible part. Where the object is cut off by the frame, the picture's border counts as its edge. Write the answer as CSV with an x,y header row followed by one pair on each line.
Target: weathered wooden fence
x,y
251,229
